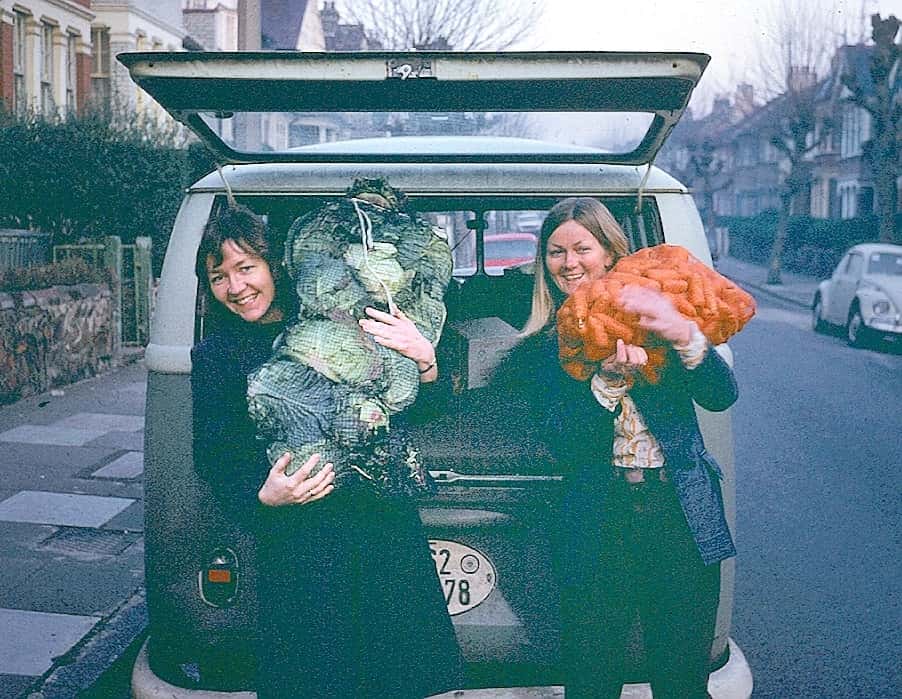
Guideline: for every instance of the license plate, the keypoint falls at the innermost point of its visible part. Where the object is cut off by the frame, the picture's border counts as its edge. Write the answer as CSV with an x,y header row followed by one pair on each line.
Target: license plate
x,y
468,576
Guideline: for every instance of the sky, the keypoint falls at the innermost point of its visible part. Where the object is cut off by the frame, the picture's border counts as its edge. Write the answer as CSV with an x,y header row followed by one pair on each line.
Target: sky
x,y
726,29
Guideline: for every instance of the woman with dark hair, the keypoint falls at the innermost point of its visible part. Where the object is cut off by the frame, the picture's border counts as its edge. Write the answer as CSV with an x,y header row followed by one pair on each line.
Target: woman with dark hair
x,y
642,526
348,598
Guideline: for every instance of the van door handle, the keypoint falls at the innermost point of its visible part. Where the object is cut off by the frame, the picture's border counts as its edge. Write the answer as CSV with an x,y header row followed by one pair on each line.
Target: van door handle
x,y
495,479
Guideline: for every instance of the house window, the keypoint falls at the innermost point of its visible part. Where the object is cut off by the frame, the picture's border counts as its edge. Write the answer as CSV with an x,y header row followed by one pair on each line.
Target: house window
x,y
20,61
71,71
303,134
100,77
855,130
747,152
848,200
47,101
865,202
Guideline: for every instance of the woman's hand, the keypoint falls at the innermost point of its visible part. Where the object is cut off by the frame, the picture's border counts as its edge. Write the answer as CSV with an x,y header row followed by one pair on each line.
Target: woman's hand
x,y
299,487
657,314
626,360
396,331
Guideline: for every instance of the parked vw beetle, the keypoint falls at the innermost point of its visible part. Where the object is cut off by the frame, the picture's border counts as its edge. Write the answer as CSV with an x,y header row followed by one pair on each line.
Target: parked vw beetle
x,y
489,521
864,294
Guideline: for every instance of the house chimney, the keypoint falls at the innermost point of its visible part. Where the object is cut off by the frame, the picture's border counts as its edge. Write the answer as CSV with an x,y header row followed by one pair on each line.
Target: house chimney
x,y
329,18
720,108
800,78
744,100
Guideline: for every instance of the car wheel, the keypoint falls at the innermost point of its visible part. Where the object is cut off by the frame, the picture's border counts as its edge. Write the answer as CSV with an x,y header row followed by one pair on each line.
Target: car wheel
x,y
856,330
817,318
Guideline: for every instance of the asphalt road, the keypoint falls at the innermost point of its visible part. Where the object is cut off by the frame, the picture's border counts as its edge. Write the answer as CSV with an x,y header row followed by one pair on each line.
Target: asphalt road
x,y
819,470
818,511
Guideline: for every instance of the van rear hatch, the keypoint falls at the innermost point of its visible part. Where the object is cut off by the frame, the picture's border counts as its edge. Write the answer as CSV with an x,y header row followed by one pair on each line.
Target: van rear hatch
x,y
638,96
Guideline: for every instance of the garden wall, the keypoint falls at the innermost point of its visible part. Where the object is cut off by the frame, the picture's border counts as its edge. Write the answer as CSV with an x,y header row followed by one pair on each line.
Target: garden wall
x,y
53,337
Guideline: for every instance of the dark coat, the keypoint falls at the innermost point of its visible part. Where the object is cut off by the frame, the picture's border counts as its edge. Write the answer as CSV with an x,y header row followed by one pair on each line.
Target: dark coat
x,y
349,601
579,433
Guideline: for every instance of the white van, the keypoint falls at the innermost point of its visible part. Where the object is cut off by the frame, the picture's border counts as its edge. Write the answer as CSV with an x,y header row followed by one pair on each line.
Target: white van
x,y
489,519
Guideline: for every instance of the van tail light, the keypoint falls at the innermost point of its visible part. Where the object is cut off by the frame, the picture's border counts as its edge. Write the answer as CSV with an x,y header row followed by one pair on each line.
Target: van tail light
x,y
217,581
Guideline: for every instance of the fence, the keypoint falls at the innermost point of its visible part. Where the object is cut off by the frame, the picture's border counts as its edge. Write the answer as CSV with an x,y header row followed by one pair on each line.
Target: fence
x,y
131,282
20,248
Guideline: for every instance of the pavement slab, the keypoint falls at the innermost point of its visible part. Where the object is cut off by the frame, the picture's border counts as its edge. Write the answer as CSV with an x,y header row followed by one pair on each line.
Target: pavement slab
x,y
21,457
65,509
95,586
50,434
32,640
133,441
129,465
131,519
15,583
106,422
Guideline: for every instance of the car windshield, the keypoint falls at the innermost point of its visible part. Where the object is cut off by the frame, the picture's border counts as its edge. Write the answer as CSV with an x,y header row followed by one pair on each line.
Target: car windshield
x,y
885,263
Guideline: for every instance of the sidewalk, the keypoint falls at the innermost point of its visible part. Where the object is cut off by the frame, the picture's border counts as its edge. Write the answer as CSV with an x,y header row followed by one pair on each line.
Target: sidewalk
x,y
797,289
71,533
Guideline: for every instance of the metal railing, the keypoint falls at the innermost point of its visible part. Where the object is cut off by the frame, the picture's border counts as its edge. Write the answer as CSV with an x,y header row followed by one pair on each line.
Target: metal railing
x,y
21,248
131,282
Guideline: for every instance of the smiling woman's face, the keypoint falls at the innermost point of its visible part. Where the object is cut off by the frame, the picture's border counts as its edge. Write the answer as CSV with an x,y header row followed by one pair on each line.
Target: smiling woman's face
x,y
243,283
573,256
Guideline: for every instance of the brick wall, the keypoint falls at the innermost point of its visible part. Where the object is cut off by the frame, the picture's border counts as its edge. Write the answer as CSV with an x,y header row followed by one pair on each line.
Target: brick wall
x,y
6,64
53,337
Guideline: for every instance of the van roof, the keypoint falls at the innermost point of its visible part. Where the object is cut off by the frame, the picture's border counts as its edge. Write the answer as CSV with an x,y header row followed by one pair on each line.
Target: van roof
x,y
527,179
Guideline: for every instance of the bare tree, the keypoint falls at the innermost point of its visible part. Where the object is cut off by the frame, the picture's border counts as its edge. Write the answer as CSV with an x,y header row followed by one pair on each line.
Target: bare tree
x,y
704,172
882,101
799,39
460,25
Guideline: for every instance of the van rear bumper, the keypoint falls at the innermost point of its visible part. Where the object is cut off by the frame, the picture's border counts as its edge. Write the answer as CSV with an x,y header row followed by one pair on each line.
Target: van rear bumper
x,y
732,681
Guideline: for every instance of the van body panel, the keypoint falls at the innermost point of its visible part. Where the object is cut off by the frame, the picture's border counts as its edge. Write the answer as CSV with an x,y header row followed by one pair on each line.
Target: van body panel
x,y
461,179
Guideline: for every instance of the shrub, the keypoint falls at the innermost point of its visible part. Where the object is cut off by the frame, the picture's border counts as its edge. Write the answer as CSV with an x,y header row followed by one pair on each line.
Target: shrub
x,y
813,245
89,176
70,271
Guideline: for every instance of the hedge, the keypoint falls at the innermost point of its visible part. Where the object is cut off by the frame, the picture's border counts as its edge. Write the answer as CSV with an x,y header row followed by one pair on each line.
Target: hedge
x,y
71,271
84,178
813,245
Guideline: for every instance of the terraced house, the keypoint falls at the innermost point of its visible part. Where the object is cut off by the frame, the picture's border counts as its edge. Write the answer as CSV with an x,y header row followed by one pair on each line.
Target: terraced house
x,y
729,159
57,56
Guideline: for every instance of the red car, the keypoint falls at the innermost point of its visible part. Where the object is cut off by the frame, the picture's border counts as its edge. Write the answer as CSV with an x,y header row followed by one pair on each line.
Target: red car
x,y
508,250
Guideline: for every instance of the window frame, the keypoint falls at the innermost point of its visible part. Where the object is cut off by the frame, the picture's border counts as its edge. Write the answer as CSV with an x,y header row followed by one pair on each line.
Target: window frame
x,y
20,61
47,72
100,71
71,72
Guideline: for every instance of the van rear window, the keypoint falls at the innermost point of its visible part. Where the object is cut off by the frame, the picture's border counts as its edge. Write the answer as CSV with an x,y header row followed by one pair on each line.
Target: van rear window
x,y
489,236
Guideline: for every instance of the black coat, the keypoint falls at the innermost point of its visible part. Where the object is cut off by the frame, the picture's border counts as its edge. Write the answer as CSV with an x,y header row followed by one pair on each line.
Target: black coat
x,y
579,433
349,601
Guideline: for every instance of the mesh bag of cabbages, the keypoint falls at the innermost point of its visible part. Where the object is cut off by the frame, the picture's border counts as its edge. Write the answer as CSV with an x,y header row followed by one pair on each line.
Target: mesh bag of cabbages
x,y
591,320
329,388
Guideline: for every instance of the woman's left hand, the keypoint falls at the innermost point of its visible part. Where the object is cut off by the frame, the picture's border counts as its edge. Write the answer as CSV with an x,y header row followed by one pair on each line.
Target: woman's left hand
x,y
657,314
396,331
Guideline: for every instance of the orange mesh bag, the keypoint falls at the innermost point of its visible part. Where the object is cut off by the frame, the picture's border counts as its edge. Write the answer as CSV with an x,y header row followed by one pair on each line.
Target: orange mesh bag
x,y
591,320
